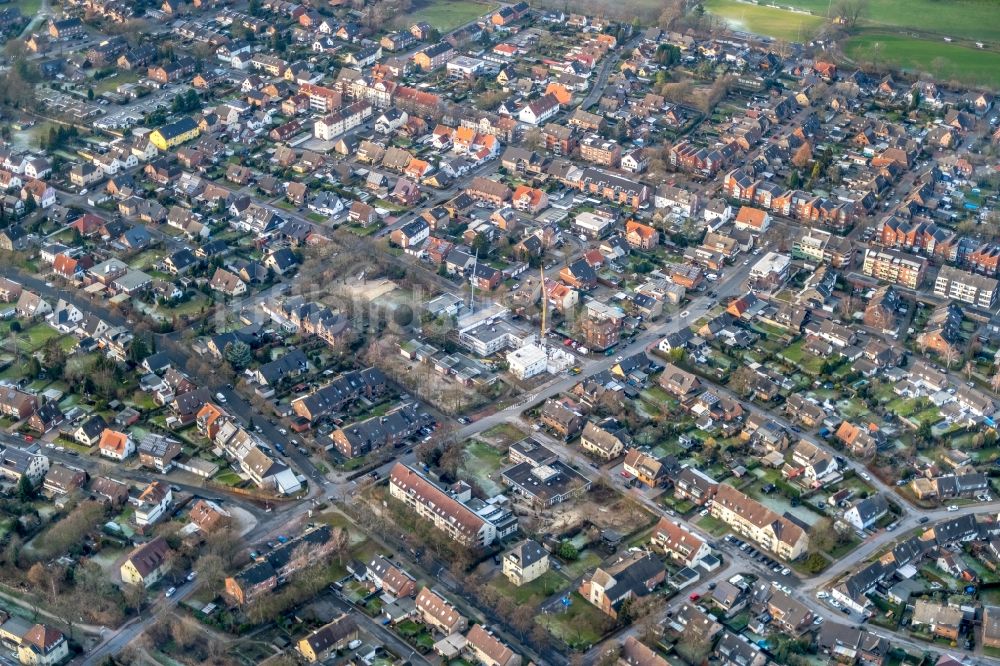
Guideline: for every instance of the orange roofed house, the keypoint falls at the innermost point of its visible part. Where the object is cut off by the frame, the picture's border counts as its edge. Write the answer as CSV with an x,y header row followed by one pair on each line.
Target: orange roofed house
x,y
116,445
859,441
529,199
43,646
641,236
678,542
209,419
752,219
562,95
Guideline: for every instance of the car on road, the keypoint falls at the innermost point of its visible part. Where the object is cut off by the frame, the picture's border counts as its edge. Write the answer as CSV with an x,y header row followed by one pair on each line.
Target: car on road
x,y
786,571
865,476
685,314
694,596
464,420
282,431
191,576
924,519
170,591
221,398
953,507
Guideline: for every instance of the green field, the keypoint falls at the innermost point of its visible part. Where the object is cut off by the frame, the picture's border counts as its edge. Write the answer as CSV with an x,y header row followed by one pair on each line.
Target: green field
x,y
967,19
921,51
946,62
28,7
777,23
110,83
446,15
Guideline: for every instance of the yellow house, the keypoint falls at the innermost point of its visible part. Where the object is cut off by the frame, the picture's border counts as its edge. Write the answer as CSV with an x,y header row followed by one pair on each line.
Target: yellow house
x,y
328,638
43,646
525,562
146,564
175,133
751,519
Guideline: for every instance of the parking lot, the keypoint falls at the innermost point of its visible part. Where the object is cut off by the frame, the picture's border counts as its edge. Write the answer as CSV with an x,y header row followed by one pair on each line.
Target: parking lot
x,y
132,114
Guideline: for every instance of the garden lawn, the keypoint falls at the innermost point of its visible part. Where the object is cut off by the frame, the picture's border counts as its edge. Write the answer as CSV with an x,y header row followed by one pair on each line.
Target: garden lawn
x,y
805,361
505,434
532,593
28,7
446,15
38,335
713,525
110,83
587,560
229,478
580,626
483,462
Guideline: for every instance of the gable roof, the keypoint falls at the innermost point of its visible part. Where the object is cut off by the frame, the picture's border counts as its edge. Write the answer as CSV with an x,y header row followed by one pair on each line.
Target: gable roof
x,y
150,556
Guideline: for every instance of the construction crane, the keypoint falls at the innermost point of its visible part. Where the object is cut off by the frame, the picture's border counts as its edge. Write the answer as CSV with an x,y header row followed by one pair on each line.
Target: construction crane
x,y
545,305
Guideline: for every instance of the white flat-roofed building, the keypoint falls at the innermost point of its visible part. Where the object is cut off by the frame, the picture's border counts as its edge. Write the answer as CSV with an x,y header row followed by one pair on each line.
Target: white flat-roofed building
x,y
464,66
772,266
593,225
527,362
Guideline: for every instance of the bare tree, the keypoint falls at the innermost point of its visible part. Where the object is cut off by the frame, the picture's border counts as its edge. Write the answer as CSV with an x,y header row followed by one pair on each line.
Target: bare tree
x,y
673,11
950,355
848,12
995,382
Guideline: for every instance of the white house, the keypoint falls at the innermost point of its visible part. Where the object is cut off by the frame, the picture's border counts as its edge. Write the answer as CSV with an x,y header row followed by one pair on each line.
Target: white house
x,y
390,121
153,503
866,512
717,212
540,110
116,445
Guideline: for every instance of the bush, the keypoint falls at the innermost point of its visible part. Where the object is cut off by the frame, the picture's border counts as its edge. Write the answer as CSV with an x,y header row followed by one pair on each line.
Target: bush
x,y
815,563
568,551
